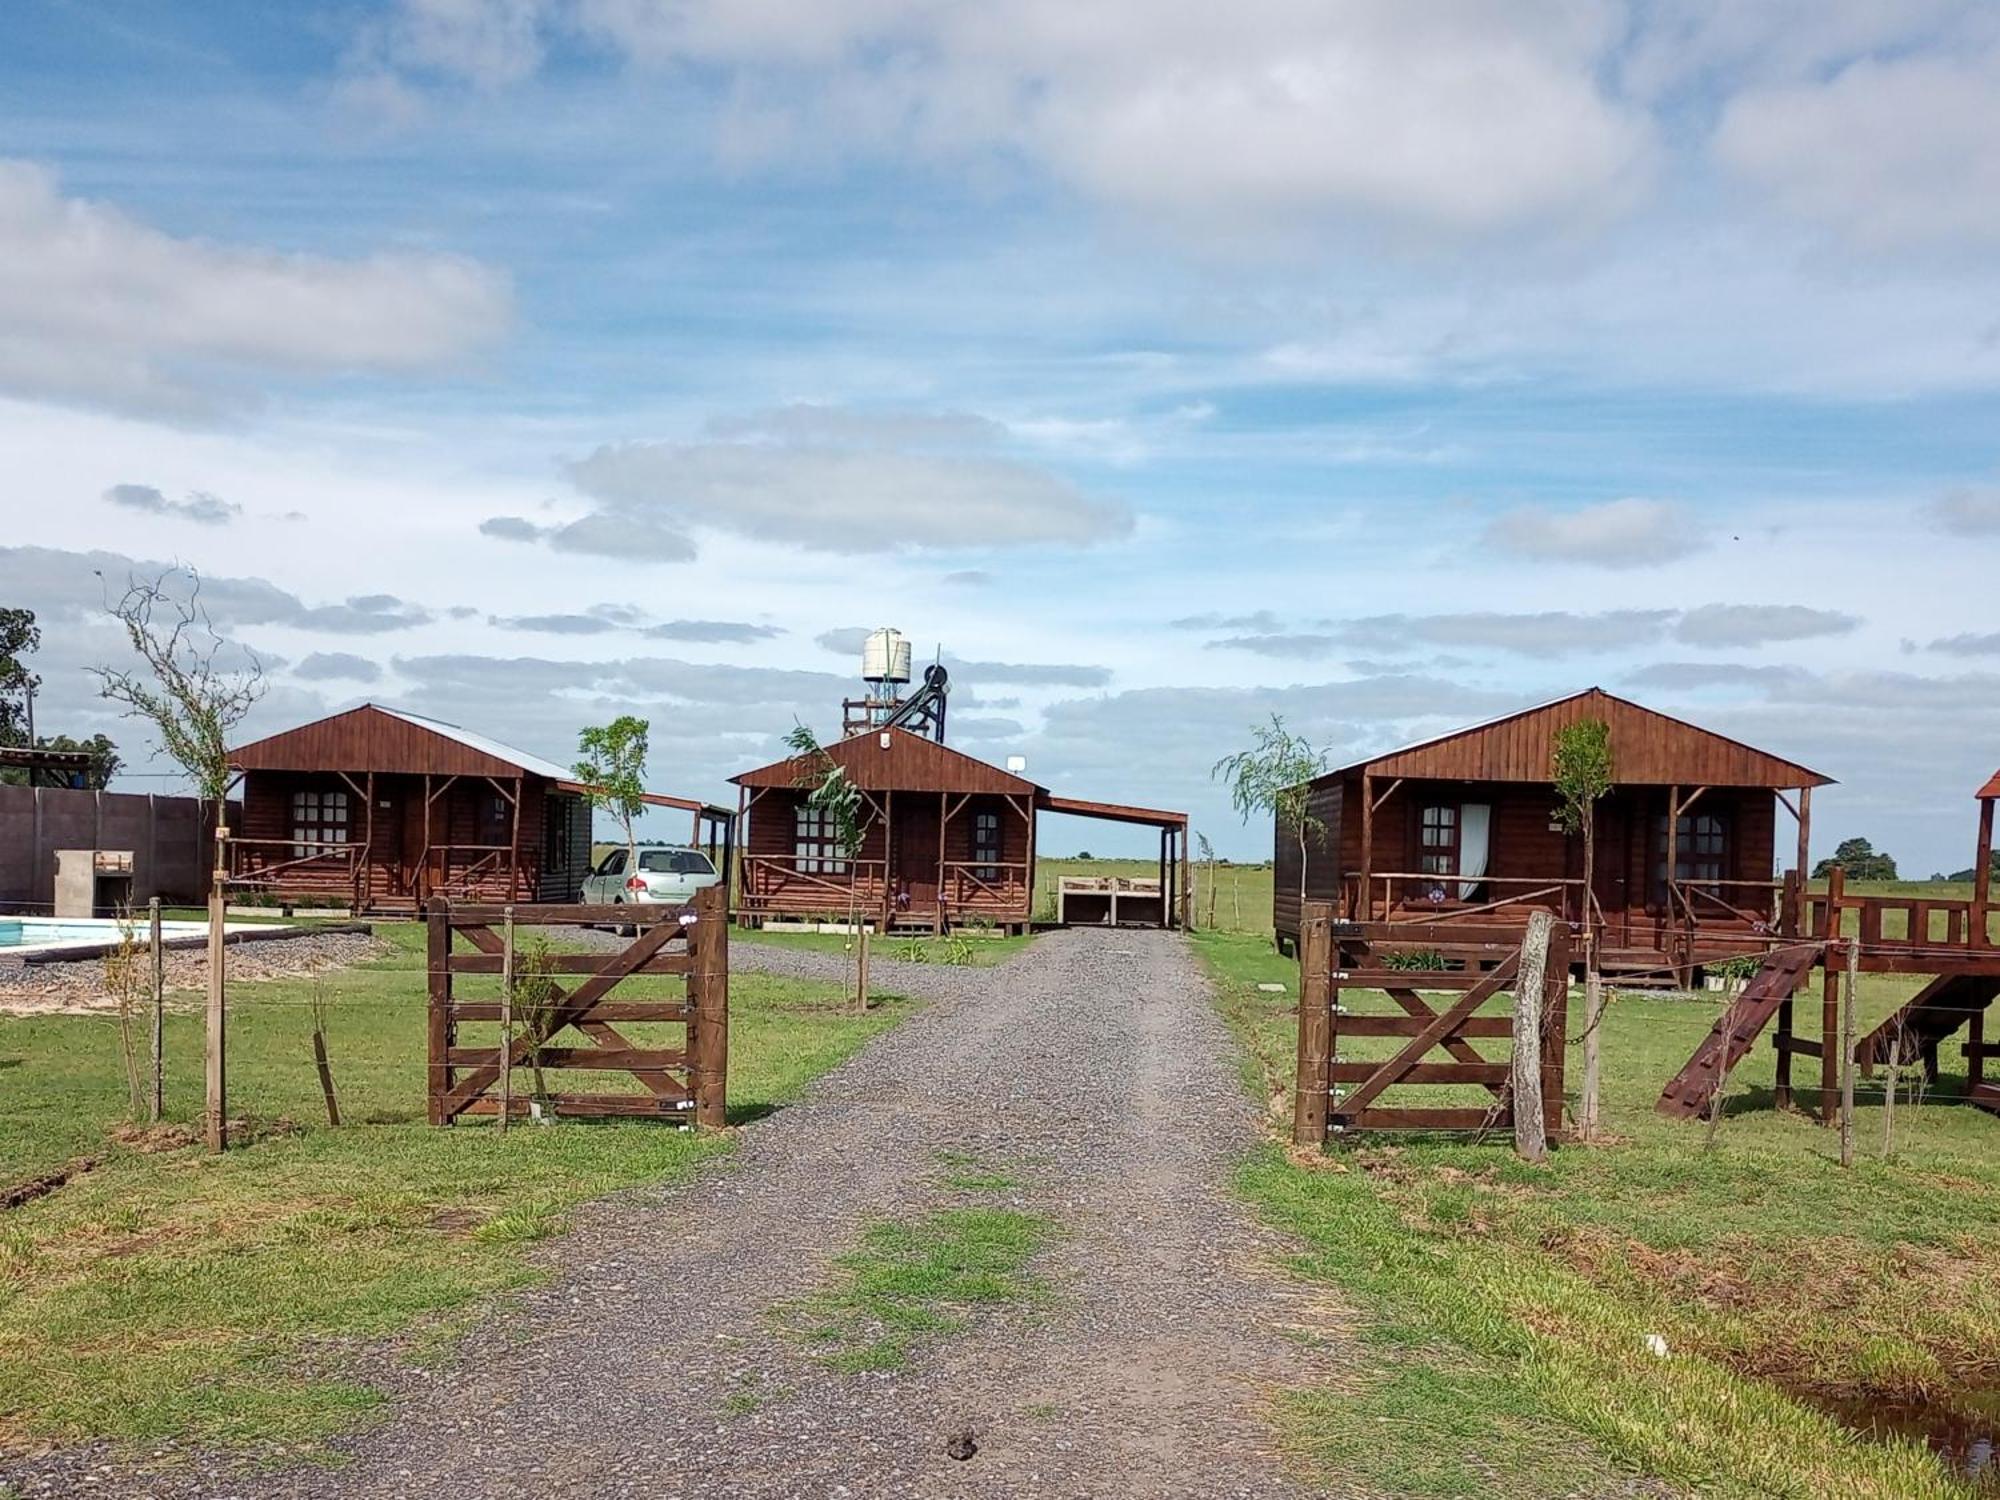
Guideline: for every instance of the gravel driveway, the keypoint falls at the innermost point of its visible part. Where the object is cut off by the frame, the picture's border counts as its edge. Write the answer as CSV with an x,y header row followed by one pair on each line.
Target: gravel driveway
x,y
1092,1068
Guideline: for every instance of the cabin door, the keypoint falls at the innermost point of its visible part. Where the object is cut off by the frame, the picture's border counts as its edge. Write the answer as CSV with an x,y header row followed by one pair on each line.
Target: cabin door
x,y
913,861
385,841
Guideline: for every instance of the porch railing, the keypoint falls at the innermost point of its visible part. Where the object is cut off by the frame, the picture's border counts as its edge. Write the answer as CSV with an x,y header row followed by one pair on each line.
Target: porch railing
x,y
767,877
985,885
276,865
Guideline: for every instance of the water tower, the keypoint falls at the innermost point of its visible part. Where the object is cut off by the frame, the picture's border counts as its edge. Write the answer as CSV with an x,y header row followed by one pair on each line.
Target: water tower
x,y
885,667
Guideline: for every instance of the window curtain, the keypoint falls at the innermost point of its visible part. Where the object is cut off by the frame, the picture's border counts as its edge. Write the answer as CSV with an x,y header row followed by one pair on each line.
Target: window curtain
x,y
1474,821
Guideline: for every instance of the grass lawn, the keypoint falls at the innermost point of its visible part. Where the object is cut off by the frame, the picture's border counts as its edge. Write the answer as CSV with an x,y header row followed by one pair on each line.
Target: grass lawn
x,y
1509,1306
174,1295
974,952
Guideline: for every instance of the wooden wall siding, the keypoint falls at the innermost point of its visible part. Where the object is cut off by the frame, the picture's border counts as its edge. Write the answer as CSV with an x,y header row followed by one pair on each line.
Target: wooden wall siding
x,y
911,763
1649,748
1524,843
770,843
366,739
1322,859
393,857
565,861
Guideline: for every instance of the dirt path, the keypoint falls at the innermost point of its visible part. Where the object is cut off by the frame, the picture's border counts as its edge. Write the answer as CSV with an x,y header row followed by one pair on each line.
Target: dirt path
x,y
1092,1068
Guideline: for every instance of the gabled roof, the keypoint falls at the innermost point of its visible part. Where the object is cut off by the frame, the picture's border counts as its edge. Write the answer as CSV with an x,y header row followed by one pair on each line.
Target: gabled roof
x,y
1648,748
895,759
374,738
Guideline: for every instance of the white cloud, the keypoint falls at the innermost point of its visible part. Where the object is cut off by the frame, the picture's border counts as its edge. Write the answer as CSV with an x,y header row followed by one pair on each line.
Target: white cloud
x,y
1453,115
1630,533
1889,152
100,308
1759,624
1968,512
836,499
200,507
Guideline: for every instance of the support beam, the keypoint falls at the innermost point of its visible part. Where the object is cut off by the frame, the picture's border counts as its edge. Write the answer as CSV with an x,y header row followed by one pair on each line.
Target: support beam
x,y
1982,875
1805,834
1829,1019
1367,912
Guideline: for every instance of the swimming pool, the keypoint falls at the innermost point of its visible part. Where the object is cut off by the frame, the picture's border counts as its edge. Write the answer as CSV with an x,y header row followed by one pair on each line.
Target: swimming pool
x,y
86,937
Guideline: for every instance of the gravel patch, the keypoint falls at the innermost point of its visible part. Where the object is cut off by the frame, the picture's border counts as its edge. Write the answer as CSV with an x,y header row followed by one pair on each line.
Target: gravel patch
x,y
78,988
1093,1069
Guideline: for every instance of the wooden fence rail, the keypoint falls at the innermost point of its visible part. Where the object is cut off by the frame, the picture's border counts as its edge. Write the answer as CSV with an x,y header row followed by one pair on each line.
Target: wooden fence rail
x,y
688,1082
1336,1093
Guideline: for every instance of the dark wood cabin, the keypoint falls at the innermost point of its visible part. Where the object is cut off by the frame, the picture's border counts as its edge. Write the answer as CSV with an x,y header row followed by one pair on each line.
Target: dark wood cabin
x,y
1466,826
947,839
382,809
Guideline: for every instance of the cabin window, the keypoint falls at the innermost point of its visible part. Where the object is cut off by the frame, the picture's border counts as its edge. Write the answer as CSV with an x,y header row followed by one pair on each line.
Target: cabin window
x,y
816,846
317,818
1702,855
1437,841
496,821
986,846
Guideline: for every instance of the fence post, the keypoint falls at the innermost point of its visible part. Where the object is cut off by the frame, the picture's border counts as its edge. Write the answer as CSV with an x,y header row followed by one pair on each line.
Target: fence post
x,y
1847,1050
159,1102
1530,994
506,1019
1555,1028
438,1030
1315,1078
215,1058
708,998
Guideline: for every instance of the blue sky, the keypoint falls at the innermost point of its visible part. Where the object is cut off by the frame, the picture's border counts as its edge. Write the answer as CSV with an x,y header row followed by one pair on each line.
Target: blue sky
x,y
1381,365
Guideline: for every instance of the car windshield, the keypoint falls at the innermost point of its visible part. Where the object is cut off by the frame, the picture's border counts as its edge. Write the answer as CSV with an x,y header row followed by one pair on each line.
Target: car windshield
x,y
674,862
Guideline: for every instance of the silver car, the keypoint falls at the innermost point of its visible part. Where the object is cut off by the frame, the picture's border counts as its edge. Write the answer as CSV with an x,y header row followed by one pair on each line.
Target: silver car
x,y
669,876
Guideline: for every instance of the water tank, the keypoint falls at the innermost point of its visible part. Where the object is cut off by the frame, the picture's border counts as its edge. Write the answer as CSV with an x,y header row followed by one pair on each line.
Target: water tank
x,y
885,657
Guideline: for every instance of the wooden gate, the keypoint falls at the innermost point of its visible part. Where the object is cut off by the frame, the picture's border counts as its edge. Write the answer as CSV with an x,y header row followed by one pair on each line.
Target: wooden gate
x,y
475,1077
1340,1090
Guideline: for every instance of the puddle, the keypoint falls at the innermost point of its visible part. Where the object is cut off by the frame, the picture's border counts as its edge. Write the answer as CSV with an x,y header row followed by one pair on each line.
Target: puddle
x,y
1962,1429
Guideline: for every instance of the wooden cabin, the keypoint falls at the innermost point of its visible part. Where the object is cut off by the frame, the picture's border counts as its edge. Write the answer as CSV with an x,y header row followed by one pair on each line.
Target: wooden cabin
x,y
1465,826
382,809
946,840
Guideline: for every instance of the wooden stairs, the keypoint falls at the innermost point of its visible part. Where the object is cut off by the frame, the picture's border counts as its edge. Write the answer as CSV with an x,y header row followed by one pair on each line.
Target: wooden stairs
x,y
1939,1009
1693,1090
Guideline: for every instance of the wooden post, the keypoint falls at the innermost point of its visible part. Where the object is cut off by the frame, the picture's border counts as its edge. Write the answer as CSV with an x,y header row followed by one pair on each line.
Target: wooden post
x,y
1831,1070
215,1070
159,1100
861,975
944,818
514,891
1805,833
325,1071
1028,816
1309,1105
708,999
1531,1140
1847,1055
1365,912
1975,1052
364,884
438,985
1781,1093
1982,875
506,1019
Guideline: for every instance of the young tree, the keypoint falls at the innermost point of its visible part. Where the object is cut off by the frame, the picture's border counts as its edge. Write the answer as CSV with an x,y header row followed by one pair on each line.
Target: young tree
x,y
1581,768
612,766
1273,776
193,686
1208,859
829,790
19,635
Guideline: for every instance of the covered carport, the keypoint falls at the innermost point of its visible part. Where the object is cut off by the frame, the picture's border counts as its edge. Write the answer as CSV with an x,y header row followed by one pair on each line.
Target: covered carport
x,y
1111,900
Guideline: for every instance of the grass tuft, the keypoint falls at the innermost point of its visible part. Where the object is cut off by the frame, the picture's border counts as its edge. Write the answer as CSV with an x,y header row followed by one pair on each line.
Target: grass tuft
x,y
912,1280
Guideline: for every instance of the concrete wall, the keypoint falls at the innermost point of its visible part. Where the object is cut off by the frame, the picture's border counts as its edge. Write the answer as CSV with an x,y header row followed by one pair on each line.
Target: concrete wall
x,y
168,836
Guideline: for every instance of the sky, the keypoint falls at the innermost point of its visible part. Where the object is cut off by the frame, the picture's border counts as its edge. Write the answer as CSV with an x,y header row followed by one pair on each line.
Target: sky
x,y
1381,364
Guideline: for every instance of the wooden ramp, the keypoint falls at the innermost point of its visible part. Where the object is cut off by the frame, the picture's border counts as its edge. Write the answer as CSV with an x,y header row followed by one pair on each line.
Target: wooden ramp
x,y
1939,1009
1694,1088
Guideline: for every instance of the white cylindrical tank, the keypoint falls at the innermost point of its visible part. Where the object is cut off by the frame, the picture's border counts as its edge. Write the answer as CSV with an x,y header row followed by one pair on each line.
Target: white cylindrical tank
x,y
885,657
